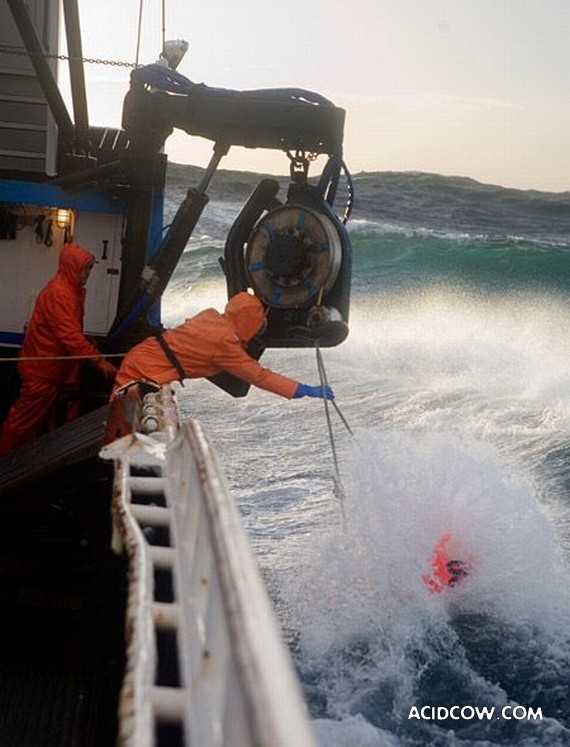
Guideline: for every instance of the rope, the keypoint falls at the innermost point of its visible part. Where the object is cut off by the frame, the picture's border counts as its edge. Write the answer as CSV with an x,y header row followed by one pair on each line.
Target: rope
x,y
339,490
17,359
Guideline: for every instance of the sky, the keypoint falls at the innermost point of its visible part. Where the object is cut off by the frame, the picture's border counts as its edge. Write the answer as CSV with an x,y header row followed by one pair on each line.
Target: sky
x,y
475,88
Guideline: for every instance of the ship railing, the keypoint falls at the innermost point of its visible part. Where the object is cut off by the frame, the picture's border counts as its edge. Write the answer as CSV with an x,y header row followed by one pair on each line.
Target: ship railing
x,y
206,664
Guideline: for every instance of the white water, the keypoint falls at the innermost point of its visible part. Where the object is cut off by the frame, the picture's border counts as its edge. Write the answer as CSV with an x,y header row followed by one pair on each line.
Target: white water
x,y
461,412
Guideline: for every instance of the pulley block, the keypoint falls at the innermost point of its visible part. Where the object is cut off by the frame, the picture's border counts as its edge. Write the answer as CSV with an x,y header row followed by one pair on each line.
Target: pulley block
x,y
293,256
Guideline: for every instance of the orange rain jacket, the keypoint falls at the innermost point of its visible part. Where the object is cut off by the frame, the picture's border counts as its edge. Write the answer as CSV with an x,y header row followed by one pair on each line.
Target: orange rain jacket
x,y
55,329
56,326
207,344
447,550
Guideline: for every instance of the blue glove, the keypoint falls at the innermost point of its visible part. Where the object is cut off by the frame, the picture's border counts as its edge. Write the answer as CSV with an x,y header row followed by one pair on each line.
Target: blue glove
x,y
303,390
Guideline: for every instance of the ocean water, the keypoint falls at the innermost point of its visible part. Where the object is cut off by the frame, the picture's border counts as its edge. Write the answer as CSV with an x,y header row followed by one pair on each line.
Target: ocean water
x,y
455,380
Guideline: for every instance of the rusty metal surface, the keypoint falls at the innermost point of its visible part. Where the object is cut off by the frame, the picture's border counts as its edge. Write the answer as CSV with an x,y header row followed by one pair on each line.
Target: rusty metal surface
x,y
68,445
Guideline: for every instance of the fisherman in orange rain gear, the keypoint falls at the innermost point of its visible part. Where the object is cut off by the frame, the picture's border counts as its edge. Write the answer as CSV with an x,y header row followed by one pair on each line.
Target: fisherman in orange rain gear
x,y
447,567
207,344
55,330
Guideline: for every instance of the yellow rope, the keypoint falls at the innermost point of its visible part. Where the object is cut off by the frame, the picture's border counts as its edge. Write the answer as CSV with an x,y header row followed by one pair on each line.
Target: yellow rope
x,y
60,357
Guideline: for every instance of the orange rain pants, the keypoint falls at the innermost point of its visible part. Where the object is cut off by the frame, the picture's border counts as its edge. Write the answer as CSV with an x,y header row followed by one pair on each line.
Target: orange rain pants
x,y
55,332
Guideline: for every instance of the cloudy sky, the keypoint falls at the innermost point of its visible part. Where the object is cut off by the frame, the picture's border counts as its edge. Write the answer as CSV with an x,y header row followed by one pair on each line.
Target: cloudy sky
x,y
477,88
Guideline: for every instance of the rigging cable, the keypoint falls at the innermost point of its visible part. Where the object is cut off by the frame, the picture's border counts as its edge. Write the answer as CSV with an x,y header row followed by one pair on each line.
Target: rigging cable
x,y
141,4
328,185
350,189
321,367
339,490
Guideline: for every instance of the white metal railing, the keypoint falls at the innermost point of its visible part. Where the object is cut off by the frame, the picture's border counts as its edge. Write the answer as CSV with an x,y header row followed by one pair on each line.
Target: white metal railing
x,y
235,683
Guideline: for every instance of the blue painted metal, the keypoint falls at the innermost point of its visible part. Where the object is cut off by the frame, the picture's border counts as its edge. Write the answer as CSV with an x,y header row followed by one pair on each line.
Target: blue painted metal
x,y
50,195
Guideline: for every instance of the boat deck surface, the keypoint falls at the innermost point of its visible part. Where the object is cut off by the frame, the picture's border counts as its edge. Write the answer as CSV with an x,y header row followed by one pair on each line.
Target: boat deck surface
x,y
64,447
62,592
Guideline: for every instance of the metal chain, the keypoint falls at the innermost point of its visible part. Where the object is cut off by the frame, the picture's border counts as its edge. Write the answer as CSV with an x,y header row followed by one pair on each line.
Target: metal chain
x,y
87,60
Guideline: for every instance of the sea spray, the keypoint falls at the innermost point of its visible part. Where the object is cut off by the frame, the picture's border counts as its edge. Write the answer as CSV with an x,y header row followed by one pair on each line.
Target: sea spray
x,y
374,641
455,379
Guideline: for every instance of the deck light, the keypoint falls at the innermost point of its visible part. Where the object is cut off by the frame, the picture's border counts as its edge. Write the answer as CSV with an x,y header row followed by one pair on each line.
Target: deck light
x,y
63,217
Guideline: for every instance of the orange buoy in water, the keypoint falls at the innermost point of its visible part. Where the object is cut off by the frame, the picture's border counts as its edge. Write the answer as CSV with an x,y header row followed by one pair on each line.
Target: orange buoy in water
x,y
448,567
